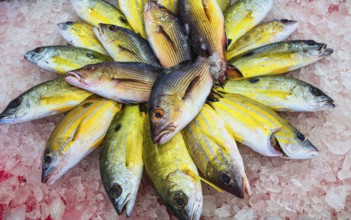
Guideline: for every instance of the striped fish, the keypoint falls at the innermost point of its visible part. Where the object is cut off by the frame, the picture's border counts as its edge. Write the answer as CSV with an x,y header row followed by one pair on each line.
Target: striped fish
x,y
281,57
95,12
173,174
165,35
80,34
124,45
262,129
215,152
123,82
280,93
242,16
48,98
121,162
177,97
61,59
262,34
76,135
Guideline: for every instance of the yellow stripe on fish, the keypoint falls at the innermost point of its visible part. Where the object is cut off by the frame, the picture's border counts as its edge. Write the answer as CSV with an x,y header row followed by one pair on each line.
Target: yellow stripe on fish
x,y
76,135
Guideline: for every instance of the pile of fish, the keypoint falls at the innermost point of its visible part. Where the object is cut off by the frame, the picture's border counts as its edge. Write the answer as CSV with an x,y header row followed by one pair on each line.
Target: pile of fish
x,y
172,85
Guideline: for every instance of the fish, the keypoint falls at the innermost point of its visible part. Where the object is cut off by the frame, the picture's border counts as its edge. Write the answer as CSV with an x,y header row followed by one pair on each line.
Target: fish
x,y
215,152
263,34
121,162
61,59
80,34
76,135
177,97
165,35
280,93
171,5
224,4
261,128
133,10
174,176
48,98
124,82
124,45
203,22
95,12
281,57
242,16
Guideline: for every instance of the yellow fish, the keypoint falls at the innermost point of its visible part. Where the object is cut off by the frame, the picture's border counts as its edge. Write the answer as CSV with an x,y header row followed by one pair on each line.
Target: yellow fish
x,y
280,57
262,34
215,152
76,135
242,16
95,12
262,129
121,162
174,175
48,98
80,34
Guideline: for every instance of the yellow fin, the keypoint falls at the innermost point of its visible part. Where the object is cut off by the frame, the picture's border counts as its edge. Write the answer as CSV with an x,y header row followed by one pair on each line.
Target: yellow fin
x,y
195,176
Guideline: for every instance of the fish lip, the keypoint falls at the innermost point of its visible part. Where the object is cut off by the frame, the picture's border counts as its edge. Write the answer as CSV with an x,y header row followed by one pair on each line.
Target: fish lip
x,y
48,175
123,205
156,137
327,51
75,75
326,103
288,22
62,26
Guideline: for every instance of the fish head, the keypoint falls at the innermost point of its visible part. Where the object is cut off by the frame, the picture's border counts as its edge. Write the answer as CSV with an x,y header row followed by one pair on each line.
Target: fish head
x,y
55,163
17,110
157,14
314,50
38,55
122,189
314,98
227,178
105,32
294,144
184,197
88,76
165,116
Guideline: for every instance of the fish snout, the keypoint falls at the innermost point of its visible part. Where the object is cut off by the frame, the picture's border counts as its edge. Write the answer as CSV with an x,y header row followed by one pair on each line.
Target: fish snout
x,y
288,22
233,183
160,136
49,171
64,25
78,76
327,52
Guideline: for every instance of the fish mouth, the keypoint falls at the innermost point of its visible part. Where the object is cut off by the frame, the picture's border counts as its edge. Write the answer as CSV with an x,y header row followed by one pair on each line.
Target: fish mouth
x,y
74,77
49,176
288,22
157,138
126,205
62,26
300,152
327,51
327,103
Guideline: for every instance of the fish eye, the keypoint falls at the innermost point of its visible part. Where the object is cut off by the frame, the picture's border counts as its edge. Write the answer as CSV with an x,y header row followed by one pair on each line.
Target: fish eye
x,y
15,103
90,67
157,114
47,161
69,22
315,91
310,42
39,50
112,28
225,178
254,80
123,20
300,136
180,200
116,191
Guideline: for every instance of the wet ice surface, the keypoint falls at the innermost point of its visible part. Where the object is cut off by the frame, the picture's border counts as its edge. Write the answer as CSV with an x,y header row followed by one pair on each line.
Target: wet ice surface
x,y
318,188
